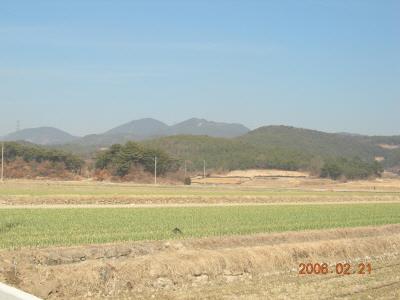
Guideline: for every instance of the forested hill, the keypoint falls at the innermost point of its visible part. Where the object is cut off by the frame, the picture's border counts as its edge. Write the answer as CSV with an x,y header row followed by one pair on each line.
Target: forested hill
x,y
314,142
280,147
230,154
277,147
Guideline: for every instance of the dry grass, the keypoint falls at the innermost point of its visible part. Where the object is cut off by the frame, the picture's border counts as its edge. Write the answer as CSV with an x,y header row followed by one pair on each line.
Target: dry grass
x,y
240,177
174,269
298,180
282,190
266,173
390,147
261,266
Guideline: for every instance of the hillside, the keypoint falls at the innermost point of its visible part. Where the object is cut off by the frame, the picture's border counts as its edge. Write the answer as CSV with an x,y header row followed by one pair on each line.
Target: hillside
x,y
41,136
228,154
196,126
313,142
386,140
280,147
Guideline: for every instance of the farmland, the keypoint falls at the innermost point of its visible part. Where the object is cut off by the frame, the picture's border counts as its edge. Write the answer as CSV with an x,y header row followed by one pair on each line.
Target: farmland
x,y
75,226
130,241
274,191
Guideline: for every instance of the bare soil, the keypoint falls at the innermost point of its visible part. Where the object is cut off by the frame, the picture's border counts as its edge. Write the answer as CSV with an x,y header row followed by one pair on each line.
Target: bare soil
x,y
148,201
305,183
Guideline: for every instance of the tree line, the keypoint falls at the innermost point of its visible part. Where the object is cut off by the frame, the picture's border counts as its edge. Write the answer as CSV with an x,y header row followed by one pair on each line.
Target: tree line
x,y
228,154
33,153
350,169
120,159
220,154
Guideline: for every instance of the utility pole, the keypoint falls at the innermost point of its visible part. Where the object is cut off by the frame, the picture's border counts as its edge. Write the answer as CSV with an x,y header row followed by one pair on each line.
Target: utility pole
x,y
185,170
155,169
204,168
2,162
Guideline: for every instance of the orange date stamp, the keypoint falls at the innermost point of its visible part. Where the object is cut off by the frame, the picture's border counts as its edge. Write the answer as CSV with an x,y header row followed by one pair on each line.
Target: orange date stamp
x,y
339,269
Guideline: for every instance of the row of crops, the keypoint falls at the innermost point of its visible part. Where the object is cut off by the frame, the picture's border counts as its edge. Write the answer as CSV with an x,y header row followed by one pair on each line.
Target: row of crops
x,y
74,226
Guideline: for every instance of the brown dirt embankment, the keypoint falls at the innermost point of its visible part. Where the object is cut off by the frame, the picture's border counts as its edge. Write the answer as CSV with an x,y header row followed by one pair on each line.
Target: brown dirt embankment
x,y
188,200
172,269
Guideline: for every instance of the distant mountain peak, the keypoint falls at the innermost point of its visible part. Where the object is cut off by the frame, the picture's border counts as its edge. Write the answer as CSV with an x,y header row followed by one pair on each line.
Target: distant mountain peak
x,y
41,136
149,128
196,126
141,128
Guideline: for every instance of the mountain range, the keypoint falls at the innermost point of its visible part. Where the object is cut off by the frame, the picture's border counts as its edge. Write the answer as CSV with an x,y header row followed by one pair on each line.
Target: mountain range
x,y
225,145
138,130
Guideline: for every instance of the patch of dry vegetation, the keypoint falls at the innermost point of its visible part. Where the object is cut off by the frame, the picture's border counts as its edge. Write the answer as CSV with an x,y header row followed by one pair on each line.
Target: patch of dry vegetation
x,y
266,173
262,191
168,270
390,147
19,168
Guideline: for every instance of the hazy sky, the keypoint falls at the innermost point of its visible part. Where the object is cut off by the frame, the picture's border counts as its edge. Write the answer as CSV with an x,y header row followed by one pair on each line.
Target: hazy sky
x,y
87,66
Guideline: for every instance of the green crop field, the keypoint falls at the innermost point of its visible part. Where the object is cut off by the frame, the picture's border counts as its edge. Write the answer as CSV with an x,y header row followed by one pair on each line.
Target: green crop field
x,y
74,226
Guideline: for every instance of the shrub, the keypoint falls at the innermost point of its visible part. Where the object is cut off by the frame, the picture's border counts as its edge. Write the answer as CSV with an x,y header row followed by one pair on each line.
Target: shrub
x,y
187,181
350,169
